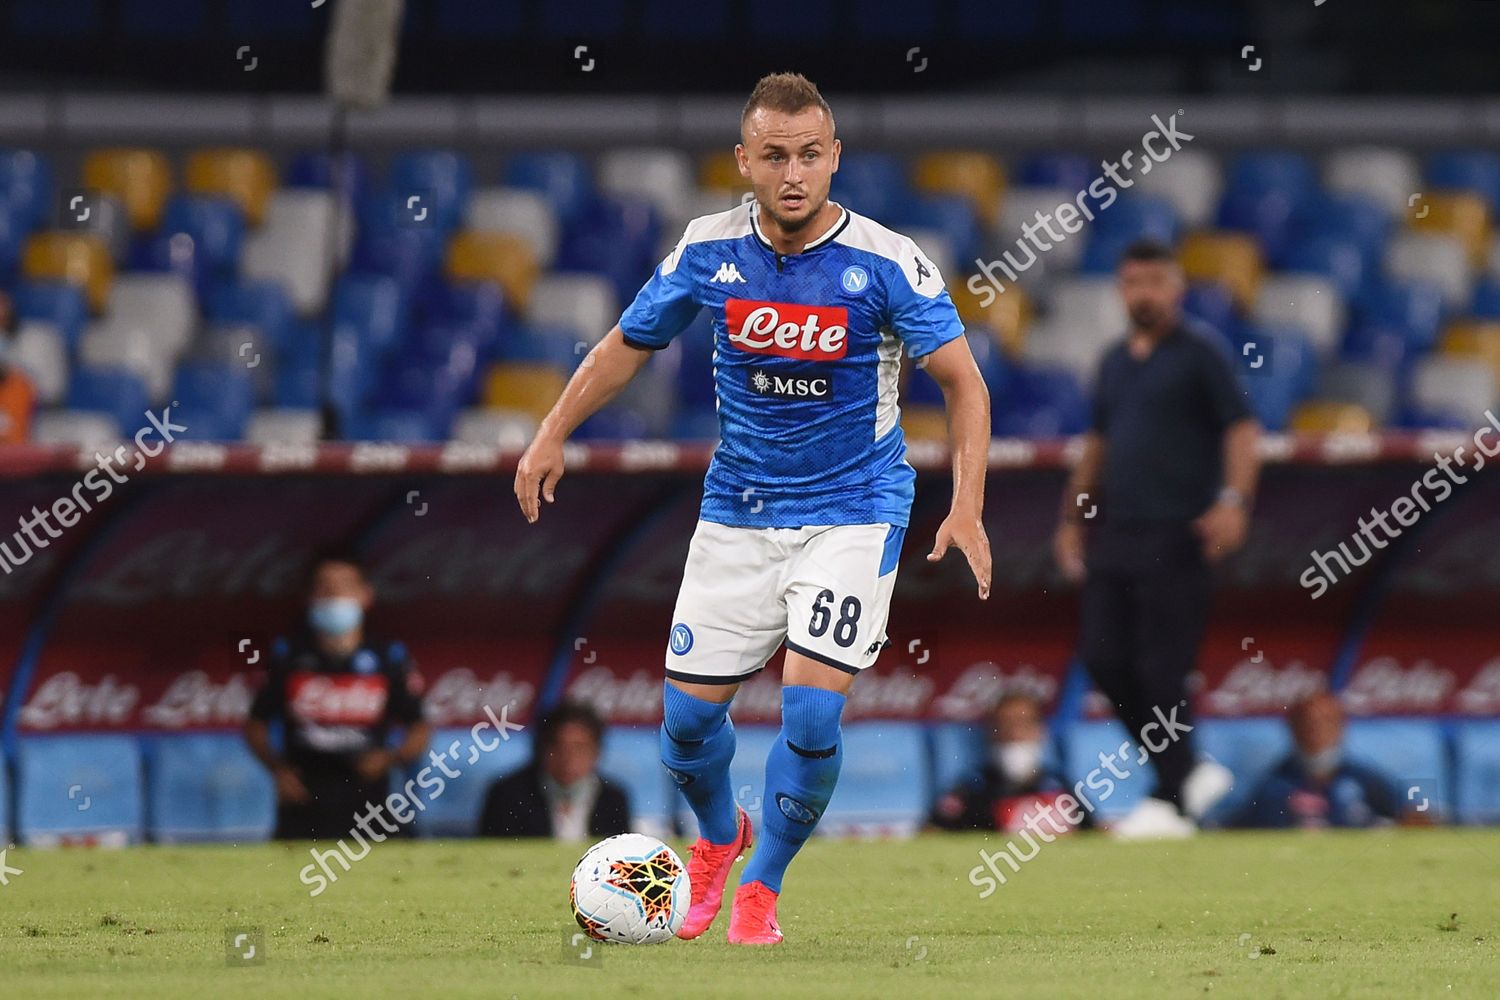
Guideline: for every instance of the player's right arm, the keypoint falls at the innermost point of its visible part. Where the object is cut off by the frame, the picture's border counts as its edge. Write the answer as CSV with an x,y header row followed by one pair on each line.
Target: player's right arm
x,y
607,369
1067,544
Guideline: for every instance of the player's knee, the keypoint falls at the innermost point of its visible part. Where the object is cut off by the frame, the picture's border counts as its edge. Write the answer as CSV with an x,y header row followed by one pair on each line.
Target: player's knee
x,y
810,720
688,720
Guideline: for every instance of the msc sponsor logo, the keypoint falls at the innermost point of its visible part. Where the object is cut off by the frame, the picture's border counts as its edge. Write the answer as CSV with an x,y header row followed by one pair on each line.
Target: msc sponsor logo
x,y
791,385
812,333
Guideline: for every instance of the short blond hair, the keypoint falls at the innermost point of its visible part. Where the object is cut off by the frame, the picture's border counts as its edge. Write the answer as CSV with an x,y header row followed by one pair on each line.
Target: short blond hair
x,y
788,93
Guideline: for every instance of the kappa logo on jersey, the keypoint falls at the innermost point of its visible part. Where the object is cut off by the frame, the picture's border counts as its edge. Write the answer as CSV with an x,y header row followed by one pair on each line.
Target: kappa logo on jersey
x,y
728,273
812,333
792,386
337,699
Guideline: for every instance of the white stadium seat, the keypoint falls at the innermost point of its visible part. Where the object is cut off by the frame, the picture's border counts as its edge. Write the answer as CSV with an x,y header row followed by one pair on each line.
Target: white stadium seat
x,y
1390,176
660,176
495,427
106,220
86,429
292,247
40,351
1308,301
1462,387
1433,257
1191,180
1020,208
161,305
518,211
115,344
584,303
284,426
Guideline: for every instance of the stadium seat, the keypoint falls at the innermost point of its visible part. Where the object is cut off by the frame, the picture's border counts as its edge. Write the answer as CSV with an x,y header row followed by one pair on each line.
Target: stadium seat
x,y
503,258
319,169
397,426
84,429
1355,217
1467,170
1045,401
296,247
372,309
208,787
1267,216
1191,180
1387,175
79,259
1309,302
1007,317
1437,258
1135,216
562,178
1474,339
1476,751
40,351
630,758
1332,417
1210,303
1250,748
246,176
924,423
1364,385
1278,367
1232,259
160,304
518,211
78,787
216,394
457,810
1071,172
659,176
616,237
440,176
1412,755
1338,259
132,348
117,393
216,227
720,171
1020,208
494,428
26,184
1111,797
1461,214
1273,170
261,304
284,426
1413,307
583,303
139,178
873,184
1457,386
977,176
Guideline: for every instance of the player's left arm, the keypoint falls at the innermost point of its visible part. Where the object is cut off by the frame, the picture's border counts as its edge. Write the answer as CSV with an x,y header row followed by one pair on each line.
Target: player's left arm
x,y
968,403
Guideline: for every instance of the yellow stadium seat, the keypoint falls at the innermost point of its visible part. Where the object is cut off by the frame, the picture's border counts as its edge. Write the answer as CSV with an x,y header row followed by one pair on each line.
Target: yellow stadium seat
x,y
245,175
1006,318
1329,417
1474,338
924,423
1455,213
529,388
721,172
977,176
140,178
1231,259
503,258
80,259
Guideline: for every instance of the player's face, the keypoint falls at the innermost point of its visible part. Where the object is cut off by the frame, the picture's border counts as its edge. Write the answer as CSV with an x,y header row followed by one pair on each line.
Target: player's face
x,y
573,754
789,160
337,579
1152,291
1319,726
1017,722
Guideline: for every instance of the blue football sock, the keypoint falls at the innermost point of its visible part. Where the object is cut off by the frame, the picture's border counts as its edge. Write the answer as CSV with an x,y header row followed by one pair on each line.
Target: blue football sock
x,y
801,770
697,744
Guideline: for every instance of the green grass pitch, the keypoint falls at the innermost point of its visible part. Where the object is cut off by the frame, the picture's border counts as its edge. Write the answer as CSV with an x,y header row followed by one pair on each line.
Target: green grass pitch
x,y
1386,913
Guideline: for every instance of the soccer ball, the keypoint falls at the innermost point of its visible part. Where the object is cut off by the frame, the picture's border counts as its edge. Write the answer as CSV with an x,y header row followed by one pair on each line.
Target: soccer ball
x,y
631,889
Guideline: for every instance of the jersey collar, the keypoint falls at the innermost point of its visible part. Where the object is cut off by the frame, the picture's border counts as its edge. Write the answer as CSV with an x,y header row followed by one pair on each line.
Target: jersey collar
x,y
833,230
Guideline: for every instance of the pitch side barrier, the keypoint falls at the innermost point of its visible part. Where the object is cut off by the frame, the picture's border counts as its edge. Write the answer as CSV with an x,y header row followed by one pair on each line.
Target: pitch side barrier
x,y
152,610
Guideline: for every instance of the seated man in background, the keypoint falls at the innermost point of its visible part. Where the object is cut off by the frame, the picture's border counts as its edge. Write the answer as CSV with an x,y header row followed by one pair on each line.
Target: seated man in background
x,y
560,794
1013,783
17,394
1317,785
338,697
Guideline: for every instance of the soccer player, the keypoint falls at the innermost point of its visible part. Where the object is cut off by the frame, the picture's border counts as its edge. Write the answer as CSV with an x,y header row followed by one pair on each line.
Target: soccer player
x,y
806,501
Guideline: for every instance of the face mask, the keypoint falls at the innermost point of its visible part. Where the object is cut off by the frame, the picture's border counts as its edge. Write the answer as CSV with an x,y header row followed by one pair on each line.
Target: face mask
x,y
1019,762
1323,762
334,616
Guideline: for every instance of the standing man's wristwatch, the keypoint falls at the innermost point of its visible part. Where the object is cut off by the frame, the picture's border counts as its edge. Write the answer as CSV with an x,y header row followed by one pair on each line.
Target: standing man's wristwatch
x,y
1232,496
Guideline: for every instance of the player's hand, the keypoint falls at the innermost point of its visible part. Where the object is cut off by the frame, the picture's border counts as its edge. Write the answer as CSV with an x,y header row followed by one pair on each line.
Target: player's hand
x,y
967,532
1222,529
373,765
540,469
289,787
1067,548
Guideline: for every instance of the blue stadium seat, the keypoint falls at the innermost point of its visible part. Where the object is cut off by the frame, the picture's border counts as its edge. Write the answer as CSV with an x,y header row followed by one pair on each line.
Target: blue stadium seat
x,y
114,391
1045,402
1339,259
14,229
174,253
475,305
1411,753
298,384
435,390
1139,215
1467,170
695,424
456,811
372,308
78,786
562,178
873,184
1259,172
393,425
884,783
1378,344
631,758
1486,303
1476,747
1211,303
319,169
207,787
55,302
1250,748
958,752
950,214
261,304
1413,307
1357,218
26,183
441,175
1264,214
1278,367
215,399
1072,171
616,422
1083,742
410,256
614,237
216,225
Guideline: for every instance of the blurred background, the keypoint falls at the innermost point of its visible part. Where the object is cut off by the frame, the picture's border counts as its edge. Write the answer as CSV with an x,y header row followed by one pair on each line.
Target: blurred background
x,y
359,316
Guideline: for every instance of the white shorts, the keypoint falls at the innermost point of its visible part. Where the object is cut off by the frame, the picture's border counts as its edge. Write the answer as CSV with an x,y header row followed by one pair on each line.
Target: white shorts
x,y
823,590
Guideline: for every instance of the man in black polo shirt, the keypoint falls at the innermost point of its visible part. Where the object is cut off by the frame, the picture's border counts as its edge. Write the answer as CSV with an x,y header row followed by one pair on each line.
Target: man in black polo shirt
x,y
1163,488
338,697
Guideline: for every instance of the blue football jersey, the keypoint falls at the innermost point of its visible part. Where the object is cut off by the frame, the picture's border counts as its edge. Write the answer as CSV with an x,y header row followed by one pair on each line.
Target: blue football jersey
x,y
807,351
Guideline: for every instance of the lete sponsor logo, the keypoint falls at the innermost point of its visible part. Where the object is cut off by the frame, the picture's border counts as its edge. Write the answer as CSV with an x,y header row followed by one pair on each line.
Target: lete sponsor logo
x,y
812,333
